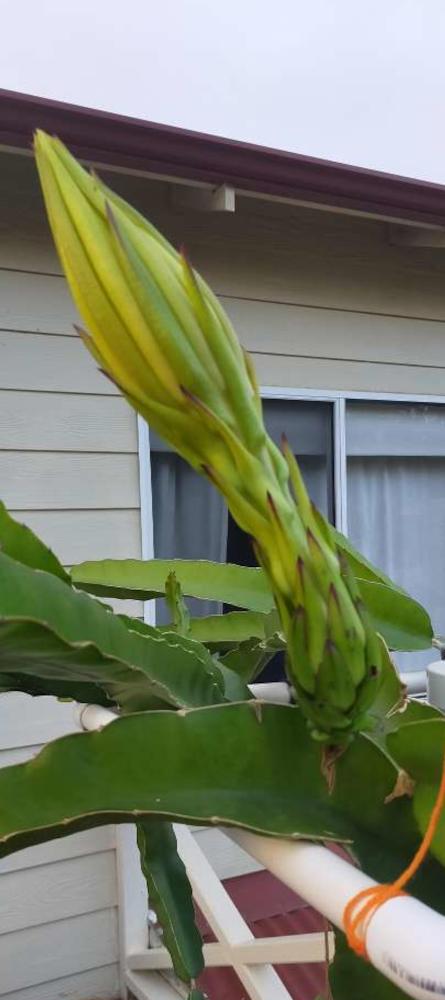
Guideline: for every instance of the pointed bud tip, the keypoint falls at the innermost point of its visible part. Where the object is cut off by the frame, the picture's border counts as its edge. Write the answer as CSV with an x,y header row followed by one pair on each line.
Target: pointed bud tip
x,y
209,472
333,593
271,503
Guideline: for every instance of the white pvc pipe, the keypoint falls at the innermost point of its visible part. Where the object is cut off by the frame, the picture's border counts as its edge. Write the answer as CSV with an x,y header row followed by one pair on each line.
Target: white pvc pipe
x,y
276,691
414,680
436,683
405,939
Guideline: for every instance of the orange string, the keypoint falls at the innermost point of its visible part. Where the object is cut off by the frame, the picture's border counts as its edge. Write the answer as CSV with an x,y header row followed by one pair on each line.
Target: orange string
x,y
359,911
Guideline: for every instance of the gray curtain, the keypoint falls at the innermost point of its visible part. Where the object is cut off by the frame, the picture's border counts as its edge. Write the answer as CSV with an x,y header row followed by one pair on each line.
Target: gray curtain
x,y
190,520
396,500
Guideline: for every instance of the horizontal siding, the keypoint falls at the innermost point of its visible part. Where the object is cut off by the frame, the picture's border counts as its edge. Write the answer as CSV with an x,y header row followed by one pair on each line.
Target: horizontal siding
x,y
265,251
69,469
56,891
44,421
40,303
57,481
324,373
324,333
89,842
27,722
51,951
42,363
96,984
75,534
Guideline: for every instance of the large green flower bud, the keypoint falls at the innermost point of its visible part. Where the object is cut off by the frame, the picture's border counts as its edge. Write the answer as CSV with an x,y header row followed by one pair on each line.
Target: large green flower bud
x,y
160,334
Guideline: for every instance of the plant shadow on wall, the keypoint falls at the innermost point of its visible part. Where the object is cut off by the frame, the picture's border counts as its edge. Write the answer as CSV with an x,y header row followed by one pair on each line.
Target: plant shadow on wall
x,y
322,769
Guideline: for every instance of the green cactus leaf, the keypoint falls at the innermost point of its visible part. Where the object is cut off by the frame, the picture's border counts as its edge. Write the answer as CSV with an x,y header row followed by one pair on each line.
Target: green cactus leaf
x,y
158,764
49,632
419,747
244,587
21,544
170,895
174,599
402,621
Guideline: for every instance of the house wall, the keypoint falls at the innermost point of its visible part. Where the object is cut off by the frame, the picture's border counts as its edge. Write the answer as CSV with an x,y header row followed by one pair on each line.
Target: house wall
x,y
322,301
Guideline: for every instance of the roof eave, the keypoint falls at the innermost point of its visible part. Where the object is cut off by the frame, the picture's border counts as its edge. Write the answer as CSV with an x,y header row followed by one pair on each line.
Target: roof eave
x,y
161,150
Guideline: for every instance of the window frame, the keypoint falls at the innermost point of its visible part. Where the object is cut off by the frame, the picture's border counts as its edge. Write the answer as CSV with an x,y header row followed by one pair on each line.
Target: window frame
x,y
339,399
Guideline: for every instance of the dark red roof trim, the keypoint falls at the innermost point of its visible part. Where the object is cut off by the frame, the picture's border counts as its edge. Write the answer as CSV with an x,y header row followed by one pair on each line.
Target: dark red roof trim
x,y
160,149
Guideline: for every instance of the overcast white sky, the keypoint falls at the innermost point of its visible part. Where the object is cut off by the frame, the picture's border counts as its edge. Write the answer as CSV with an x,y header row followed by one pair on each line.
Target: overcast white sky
x,y
360,81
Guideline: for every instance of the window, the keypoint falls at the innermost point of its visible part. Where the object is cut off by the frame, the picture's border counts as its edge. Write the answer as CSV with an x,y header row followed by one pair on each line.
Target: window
x,y
190,519
387,460
396,499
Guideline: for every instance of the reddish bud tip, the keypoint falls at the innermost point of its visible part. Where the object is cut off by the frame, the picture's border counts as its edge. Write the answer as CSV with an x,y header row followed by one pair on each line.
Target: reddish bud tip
x,y
301,569
272,505
208,471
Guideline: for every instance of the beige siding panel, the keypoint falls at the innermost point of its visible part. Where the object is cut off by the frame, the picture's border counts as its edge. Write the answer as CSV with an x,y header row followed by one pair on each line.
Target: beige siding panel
x,y
37,302
19,755
42,363
299,255
57,891
268,251
75,846
327,333
322,373
77,535
40,954
27,721
274,326
135,609
54,480
97,984
44,421
48,368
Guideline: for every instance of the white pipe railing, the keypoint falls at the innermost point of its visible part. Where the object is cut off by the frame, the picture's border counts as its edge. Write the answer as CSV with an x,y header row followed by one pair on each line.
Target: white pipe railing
x,y
405,939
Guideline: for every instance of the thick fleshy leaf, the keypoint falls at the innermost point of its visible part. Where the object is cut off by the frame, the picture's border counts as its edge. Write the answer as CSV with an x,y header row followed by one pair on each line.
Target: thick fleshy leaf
x,y
244,587
402,621
230,635
419,747
249,764
50,631
362,568
250,658
174,599
226,631
81,691
20,543
158,764
170,896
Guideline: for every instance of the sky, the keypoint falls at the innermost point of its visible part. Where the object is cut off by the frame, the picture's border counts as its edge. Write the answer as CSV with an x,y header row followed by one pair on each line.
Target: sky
x,y
358,81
